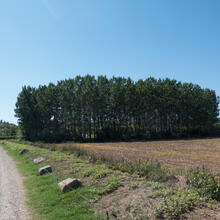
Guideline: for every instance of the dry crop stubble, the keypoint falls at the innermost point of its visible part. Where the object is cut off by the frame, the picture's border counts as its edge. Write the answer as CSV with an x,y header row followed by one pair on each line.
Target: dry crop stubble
x,y
175,153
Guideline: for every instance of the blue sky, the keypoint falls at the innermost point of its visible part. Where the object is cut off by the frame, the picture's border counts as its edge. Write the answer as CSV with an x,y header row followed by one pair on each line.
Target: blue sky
x,y
43,41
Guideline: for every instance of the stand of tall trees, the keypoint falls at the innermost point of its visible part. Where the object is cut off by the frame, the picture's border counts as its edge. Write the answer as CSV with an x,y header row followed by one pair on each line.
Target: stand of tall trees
x,y
7,130
118,108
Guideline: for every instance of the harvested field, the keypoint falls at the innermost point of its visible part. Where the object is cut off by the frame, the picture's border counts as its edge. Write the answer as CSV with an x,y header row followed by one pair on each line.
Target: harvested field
x,y
176,153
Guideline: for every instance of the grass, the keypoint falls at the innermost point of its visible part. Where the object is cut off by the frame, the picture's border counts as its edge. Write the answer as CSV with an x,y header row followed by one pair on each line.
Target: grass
x,y
45,200
100,177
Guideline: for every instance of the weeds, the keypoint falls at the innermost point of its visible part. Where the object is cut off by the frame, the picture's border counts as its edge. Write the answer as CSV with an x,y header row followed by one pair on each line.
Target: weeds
x,y
88,171
164,192
160,190
205,183
182,202
98,171
124,166
151,170
99,174
108,177
204,187
135,209
113,183
133,185
155,185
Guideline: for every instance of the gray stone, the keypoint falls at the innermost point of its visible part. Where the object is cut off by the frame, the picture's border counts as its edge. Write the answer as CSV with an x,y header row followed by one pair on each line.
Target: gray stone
x,y
44,170
39,160
24,151
69,184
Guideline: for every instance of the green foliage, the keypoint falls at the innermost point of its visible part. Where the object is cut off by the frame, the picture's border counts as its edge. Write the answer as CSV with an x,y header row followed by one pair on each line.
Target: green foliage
x,y
101,173
155,185
88,171
7,130
133,185
204,187
182,202
124,166
150,169
160,190
98,171
86,108
113,183
52,204
79,152
164,192
206,184
19,135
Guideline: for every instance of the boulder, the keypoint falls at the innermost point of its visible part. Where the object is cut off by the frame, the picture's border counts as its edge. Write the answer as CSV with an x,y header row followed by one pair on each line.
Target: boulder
x,y
38,160
69,184
44,170
23,151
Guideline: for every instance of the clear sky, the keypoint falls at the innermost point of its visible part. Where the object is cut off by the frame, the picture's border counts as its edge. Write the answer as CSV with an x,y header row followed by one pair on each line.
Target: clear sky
x,y
43,41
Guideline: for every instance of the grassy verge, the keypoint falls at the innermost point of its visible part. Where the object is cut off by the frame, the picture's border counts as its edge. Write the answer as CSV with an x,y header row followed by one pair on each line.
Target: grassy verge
x,y
138,190
45,201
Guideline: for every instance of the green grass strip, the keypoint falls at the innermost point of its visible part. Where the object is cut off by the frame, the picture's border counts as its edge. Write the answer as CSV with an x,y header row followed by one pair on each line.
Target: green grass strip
x,y
44,198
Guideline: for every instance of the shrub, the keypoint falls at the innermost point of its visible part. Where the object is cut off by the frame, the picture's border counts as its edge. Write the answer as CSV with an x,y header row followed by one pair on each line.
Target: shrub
x,y
152,170
183,201
124,166
205,183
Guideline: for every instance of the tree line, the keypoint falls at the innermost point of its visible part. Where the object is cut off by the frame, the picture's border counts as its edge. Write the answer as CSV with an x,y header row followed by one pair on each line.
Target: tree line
x,y
86,108
7,130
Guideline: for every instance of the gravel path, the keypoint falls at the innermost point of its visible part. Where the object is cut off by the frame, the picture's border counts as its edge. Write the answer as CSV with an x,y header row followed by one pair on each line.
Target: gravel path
x,y
11,190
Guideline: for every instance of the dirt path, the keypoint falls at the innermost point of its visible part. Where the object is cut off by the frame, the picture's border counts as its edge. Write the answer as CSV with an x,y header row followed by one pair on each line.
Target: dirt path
x,y
11,190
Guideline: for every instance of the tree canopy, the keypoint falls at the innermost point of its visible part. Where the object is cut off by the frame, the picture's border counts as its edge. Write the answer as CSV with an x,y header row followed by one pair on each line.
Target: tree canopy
x,y
118,108
7,130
